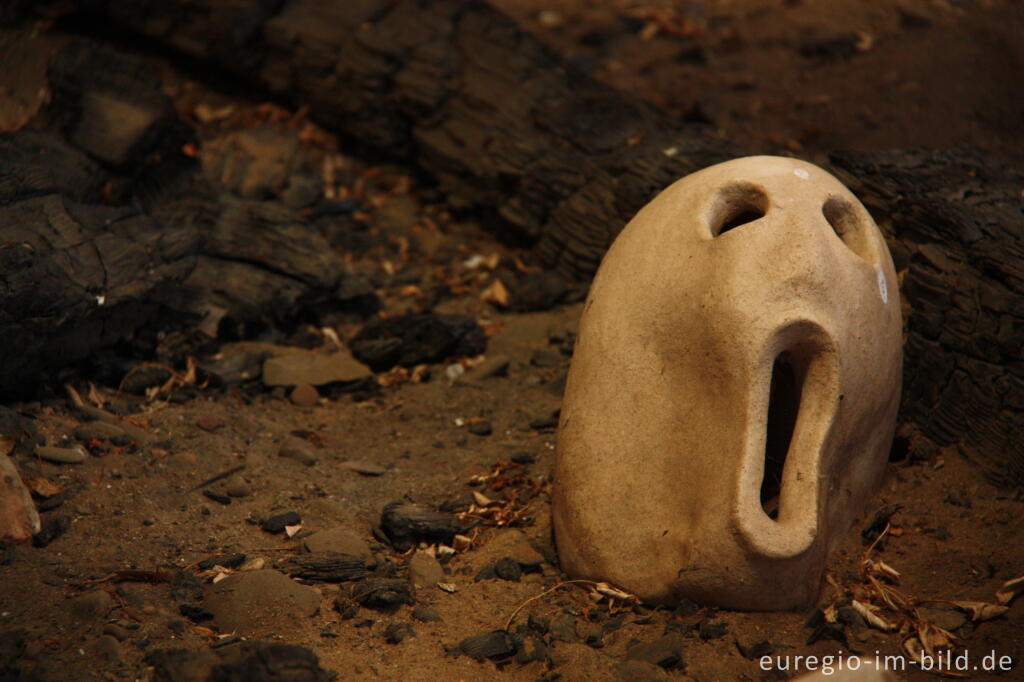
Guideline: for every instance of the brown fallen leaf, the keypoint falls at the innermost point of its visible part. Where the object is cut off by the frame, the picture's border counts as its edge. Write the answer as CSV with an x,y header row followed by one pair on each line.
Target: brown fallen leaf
x,y
980,610
496,293
42,487
933,637
1010,590
869,613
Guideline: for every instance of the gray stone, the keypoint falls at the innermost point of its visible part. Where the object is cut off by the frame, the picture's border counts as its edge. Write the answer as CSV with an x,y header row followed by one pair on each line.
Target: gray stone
x,y
236,486
492,366
246,602
91,605
72,455
298,366
424,570
426,614
666,651
98,430
640,671
109,648
563,629
361,466
293,448
338,540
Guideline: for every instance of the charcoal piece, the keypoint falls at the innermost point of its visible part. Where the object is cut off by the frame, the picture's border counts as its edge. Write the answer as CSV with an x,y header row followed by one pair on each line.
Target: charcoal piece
x,y
878,522
52,528
383,594
327,567
417,338
345,607
219,498
508,568
225,560
713,629
755,650
196,614
241,662
277,522
495,645
538,291
186,587
406,524
112,106
145,376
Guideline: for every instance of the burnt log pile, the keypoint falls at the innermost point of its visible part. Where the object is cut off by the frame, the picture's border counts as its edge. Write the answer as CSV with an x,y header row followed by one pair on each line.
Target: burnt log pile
x,y
546,157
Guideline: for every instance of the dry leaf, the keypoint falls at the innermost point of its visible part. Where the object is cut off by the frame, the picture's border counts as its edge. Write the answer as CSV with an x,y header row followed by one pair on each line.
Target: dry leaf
x,y
613,592
462,542
980,610
481,499
932,637
496,293
447,587
43,487
1011,588
290,531
868,613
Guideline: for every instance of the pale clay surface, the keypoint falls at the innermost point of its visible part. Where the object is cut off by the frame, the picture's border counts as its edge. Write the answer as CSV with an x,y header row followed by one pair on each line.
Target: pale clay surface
x,y
661,447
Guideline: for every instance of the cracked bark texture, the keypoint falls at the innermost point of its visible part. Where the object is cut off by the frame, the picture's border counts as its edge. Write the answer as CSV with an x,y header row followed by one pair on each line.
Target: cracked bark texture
x,y
955,224
559,162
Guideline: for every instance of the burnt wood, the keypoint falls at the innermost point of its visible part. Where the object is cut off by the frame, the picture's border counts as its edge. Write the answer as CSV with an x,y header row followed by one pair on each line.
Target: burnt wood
x,y
954,220
554,160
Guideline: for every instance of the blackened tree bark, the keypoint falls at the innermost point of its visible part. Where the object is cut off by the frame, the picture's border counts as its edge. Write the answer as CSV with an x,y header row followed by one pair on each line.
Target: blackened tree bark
x,y
561,162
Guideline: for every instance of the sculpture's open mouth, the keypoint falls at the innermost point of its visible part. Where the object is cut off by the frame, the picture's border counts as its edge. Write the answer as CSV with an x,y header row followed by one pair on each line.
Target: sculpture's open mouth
x,y
795,412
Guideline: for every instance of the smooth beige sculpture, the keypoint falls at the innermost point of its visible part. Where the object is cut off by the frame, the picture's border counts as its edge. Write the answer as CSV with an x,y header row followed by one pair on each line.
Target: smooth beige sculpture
x,y
733,391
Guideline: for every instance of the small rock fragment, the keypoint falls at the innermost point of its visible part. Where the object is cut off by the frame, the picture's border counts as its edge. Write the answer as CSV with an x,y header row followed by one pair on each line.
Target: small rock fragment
x,y
666,652
424,570
293,448
92,605
396,632
52,528
248,600
426,614
98,430
346,607
508,568
72,455
236,486
640,671
713,630
211,423
297,367
481,428
338,540
364,467
492,366
563,629
304,395
417,338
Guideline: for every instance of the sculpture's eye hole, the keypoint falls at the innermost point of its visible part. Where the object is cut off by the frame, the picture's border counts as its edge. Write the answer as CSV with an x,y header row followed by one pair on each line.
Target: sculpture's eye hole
x,y
849,226
737,205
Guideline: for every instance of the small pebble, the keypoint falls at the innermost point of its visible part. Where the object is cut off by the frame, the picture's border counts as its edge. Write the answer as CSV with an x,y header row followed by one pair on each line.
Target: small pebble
x,y
236,486
396,632
426,614
72,455
482,428
363,467
293,448
304,395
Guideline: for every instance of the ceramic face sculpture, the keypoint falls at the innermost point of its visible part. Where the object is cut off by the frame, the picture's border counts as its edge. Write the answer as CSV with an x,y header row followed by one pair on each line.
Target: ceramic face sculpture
x,y
733,392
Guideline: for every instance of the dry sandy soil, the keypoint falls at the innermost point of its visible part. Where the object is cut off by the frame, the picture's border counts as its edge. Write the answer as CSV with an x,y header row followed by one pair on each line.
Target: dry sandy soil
x,y
775,76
